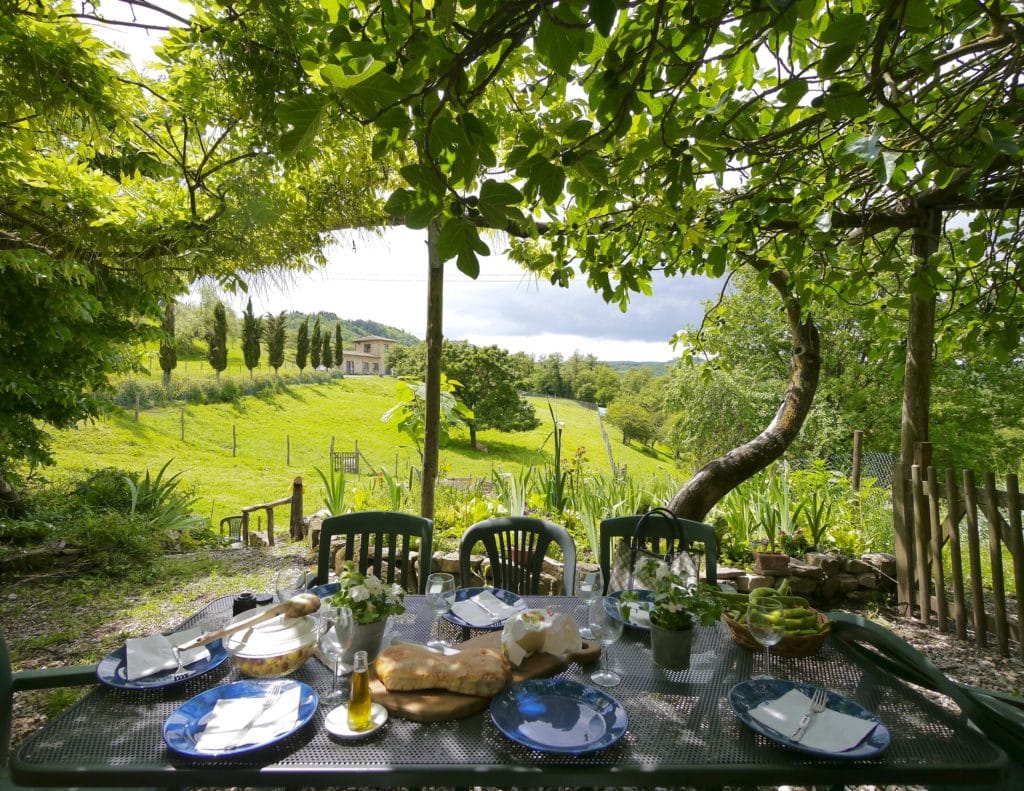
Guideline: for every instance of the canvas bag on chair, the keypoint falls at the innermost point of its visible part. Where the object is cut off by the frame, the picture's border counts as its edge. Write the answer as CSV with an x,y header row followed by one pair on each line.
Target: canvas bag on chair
x,y
634,566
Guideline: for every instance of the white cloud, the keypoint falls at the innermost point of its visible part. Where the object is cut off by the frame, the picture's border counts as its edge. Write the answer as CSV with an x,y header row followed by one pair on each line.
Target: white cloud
x,y
384,279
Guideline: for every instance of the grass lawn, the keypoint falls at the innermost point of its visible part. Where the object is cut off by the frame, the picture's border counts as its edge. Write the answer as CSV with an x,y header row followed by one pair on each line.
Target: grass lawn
x,y
278,437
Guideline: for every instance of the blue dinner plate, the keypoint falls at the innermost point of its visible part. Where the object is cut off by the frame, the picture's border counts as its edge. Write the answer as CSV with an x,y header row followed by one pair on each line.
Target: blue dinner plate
x,y
644,596
112,670
464,593
183,727
323,591
555,715
749,694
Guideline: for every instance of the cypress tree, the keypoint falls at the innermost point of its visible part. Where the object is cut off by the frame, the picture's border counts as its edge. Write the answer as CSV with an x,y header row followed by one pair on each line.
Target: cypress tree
x,y
168,351
316,345
302,345
217,340
339,354
250,338
273,333
325,355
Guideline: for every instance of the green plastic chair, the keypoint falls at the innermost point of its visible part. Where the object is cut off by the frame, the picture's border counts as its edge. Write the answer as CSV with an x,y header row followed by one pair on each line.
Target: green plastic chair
x,y
22,681
657,532
515,546
234,527
392,536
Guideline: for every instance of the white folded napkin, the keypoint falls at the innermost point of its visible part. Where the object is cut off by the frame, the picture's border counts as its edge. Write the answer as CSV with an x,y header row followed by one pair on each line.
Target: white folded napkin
x,y
476,614
639,613
226,722
831,731
145,656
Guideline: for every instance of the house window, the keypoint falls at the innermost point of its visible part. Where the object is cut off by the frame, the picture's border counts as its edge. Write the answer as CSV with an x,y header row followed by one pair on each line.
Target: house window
x,y
376,368
366,348
350,367
366,368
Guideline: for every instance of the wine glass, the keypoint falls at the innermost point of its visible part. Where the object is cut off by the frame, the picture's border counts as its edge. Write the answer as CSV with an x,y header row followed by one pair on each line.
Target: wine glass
x,y
291,581
440,596
589,586
606,628
766,623
342,631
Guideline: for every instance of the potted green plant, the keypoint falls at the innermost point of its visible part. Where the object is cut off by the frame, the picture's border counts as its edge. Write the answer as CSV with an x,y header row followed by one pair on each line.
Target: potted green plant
x,y
677,610
371,602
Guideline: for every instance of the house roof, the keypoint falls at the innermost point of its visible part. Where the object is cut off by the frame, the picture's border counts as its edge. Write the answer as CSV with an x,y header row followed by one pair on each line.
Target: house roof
x,y
373,338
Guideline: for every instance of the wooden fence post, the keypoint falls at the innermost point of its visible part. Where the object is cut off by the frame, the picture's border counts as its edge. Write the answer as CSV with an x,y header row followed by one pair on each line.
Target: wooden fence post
x,y
270,527
903,537
921,547
858,441
1016,542
974,555
995,554
938,573
245,528
297,527
956,558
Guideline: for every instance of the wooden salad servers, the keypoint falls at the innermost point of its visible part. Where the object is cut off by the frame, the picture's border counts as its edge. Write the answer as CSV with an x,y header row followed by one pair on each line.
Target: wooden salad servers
x,y
295,607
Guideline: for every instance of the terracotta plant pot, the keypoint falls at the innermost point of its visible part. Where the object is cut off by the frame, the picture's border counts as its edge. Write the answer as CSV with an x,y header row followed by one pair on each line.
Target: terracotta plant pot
x,y
670,648
771,561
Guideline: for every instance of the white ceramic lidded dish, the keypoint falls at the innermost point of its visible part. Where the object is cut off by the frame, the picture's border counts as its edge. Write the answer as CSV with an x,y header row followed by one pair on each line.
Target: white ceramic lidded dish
x,y
273,648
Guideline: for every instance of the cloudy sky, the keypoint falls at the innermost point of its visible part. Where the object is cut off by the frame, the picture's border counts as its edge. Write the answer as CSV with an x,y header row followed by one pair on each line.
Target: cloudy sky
x,y
384,279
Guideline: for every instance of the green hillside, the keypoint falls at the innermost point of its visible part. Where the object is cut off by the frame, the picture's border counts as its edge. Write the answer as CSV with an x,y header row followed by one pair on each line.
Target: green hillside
x,y
307,417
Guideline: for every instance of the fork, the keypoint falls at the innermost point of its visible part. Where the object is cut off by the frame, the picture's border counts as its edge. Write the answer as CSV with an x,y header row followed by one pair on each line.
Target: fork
x,y
271,698
180,672
817,706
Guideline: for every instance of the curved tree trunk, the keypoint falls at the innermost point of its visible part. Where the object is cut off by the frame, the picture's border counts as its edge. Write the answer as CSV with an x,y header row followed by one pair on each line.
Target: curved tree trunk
x,y
716,478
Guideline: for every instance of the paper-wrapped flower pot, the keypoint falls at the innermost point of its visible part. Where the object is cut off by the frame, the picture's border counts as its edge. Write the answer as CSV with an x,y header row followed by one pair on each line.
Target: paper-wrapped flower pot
x,y
539,631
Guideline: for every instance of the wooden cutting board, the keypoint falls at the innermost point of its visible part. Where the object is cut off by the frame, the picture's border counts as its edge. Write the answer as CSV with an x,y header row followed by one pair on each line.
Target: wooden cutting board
x,y
437,705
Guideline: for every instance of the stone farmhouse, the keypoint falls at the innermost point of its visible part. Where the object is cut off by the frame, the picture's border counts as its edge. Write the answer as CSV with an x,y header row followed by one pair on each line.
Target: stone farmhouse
x,y
368,355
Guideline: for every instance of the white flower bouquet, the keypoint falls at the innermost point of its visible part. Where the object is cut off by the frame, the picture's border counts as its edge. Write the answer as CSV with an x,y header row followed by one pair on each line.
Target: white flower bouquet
x,y
369,599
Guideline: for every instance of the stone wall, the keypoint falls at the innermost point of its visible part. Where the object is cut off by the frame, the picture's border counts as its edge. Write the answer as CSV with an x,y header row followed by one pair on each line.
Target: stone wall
x,y
824,578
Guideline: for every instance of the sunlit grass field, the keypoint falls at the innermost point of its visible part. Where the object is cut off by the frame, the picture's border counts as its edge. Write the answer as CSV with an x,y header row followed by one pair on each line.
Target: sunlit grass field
x,y
281,436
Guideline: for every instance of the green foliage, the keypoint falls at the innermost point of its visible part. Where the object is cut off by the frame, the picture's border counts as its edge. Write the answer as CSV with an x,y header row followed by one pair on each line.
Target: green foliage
x,y
369,599
105,489
251,332
158,500
409,413
274,334
677,606
339,347
302,345
316,345
168,349
217,340
334,489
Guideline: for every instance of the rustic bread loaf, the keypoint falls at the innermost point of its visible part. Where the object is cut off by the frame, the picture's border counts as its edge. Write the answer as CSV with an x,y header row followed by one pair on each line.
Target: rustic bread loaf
x,y
406,667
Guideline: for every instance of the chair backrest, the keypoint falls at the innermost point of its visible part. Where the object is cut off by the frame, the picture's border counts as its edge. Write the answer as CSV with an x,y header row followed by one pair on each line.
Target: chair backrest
x,y
234,526
380,542
515,546
657,532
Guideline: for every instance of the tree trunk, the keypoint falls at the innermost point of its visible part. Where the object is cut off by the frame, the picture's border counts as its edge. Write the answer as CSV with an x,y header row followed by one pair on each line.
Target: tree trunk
x,y
432,383
917,375
716,478
11,503
472,435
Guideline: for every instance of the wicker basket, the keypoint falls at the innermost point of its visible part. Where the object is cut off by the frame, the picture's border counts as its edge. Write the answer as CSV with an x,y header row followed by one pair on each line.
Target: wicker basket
x,y
790,645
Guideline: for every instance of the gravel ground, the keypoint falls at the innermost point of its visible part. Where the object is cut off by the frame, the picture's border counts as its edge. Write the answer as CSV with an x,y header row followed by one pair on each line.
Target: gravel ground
x,y
959,660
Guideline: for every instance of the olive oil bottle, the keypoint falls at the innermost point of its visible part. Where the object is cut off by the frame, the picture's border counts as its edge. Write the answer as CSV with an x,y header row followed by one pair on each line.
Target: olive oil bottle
x,y
359,701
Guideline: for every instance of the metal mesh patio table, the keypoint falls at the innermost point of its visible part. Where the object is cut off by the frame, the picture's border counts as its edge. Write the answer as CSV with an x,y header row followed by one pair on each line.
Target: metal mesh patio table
x,y
681,732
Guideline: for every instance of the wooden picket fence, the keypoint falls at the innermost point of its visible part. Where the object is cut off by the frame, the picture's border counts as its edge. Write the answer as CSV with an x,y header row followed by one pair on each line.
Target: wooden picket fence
x,y
936,519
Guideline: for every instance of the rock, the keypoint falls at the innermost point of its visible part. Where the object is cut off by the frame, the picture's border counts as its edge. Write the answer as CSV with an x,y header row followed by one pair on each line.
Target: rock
x,y
726,573
829,562
829,589
450,563
748,581
847,583
798,569
867,580
855,566
883,561
802,586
